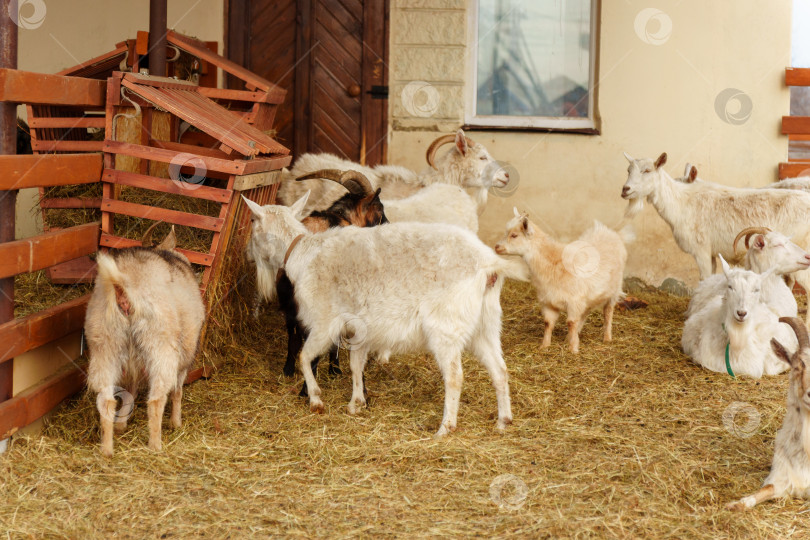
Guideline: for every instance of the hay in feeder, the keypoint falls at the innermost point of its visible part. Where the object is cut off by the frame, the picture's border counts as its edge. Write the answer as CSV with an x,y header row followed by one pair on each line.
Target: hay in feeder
x,y
625,440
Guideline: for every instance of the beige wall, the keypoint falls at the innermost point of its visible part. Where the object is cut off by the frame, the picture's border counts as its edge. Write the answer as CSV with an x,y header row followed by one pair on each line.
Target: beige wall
x,y
73,31
651,98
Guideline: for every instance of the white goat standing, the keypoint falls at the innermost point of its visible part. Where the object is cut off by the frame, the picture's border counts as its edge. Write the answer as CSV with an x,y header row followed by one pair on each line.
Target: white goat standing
x,y
143,322
407,287
731,333
790,469
468,164
705,217
574,278
768,249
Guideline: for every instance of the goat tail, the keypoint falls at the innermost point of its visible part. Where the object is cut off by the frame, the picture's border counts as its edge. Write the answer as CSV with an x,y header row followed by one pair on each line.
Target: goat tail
x,y
513,267
114,283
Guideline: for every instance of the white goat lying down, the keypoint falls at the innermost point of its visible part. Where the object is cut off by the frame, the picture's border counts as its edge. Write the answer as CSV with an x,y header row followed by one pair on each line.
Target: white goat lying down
x,y
406,287
731,333
575,277
768,249
790,469
705,217
143,323
468,164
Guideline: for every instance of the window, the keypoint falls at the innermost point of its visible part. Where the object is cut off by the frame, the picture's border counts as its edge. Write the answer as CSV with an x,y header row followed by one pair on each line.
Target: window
x,y
533,64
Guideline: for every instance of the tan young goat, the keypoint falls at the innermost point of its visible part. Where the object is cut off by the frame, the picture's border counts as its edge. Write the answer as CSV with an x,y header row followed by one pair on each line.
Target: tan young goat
x,y
574,278
790,469
143,324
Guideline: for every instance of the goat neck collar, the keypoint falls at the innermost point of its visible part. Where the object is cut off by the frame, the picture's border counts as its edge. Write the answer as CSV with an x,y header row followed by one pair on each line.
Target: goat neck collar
x,y
287,255
728,355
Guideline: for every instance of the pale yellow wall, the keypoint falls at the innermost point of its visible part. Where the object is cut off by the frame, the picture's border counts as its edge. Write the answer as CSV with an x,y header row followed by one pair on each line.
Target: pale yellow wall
x,y
651,98
73,31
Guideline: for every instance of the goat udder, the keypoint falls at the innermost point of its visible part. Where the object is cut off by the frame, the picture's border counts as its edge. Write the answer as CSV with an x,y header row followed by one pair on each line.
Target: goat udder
x,y
491,279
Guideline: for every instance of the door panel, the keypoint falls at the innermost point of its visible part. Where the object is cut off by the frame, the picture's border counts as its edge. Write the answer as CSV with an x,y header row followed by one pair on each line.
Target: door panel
x,y
328,55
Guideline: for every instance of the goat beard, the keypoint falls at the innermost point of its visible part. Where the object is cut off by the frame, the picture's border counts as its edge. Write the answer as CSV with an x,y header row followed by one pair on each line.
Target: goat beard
x,y
634,206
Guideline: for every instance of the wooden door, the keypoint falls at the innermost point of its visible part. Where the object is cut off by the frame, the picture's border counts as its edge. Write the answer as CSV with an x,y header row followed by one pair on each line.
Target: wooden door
x,y
330,56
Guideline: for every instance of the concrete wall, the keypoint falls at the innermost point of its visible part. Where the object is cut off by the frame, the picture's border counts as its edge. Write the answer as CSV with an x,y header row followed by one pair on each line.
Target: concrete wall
x,y
651,98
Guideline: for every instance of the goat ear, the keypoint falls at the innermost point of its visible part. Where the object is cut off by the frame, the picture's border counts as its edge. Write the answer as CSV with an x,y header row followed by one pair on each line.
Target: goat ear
x,y
377,193
662,159
759,241
687,169
170,242
726,267
692,174
780,351
515,210
255,208
526,226
297,207
628,157
461,142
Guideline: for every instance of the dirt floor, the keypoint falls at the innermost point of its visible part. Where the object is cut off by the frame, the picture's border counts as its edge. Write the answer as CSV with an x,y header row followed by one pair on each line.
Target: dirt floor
x,y
626,440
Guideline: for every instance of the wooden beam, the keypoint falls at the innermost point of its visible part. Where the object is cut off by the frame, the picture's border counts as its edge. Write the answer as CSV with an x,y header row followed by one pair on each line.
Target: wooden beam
x,y
42,89
116,242
170,156
67,146
167,186
238,95
161,214
797,76
38,252
27,171
69,123
71,202
118,51
26,333
27,407
795,125
266,164
251,181
794,169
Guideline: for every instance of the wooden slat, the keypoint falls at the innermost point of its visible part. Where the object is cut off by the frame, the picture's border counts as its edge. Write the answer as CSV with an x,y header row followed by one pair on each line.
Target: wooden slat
x,y
235,95
81,270
252,181
39,88
67,146
190,149
794,169
266,164
38,252
116,242
159,82
27,333
797,76
28,171
71,202
27,407
167,186
161,214
104,58
167,156
70,122
198,49
796,125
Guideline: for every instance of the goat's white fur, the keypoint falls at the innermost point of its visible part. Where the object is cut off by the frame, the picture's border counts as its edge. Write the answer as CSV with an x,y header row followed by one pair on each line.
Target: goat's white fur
x,y
408,287
436,203
465,165
156,341
741,320
771,250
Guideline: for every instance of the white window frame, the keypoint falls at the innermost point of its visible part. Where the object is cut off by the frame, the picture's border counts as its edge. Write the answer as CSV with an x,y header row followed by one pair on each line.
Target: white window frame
x,y
588,125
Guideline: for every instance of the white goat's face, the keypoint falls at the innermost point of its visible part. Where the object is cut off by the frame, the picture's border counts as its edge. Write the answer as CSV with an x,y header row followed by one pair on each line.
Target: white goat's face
x,y
776,250
517,240
272,229
742,293
641,176
477,167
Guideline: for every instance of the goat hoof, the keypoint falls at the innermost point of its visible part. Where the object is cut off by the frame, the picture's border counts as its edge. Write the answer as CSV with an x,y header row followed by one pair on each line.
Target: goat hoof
x,y
316,408
155,446
735,506
119,428
334,370
503,422
106,452
356,405
303,392
288,371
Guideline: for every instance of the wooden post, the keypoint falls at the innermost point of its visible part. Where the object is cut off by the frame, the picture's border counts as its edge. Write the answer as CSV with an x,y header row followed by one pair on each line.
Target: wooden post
x,y
157,37
8,199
